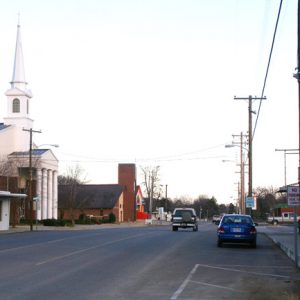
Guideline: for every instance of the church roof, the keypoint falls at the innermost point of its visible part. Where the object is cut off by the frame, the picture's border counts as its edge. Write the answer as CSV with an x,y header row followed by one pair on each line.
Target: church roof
x,y
35,152
93,196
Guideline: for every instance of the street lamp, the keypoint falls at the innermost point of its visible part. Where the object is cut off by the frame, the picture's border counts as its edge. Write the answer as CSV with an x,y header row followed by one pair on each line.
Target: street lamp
x,y
51,145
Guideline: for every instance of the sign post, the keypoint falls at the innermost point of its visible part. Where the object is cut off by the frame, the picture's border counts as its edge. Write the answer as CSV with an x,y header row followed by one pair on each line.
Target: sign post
x,y
293,195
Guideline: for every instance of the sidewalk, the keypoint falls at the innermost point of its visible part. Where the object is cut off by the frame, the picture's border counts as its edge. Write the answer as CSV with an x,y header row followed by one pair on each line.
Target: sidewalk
x,y
284,237
77,227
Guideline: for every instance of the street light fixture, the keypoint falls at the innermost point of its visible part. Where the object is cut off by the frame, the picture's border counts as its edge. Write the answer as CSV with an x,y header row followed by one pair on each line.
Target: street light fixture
x,y
51,145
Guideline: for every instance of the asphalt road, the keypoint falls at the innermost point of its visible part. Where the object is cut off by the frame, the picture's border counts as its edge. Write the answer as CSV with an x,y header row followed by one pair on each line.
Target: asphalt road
x,y
142,263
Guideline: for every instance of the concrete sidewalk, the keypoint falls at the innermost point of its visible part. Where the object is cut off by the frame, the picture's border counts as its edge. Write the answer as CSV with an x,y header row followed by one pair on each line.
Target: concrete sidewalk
x,y
284,237
77,227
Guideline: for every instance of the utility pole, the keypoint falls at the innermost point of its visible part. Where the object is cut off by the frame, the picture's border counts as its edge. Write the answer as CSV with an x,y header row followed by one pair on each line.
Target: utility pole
x,y
242,175
250,134
30,176
297,76
166,197
242,170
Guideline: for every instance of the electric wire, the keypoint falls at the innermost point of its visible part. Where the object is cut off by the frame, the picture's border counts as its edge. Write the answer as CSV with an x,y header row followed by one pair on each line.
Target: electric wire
x,y
268,67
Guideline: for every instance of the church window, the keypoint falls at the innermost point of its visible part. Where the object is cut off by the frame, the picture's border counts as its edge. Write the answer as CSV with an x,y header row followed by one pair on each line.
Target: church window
x,y
16,105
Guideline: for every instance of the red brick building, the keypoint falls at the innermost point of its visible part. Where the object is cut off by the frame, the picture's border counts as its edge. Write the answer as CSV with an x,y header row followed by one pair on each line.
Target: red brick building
x,y
127,178
95,200
100,200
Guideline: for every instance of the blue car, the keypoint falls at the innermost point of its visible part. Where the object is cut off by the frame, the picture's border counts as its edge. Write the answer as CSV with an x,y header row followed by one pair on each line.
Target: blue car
x,y
237,229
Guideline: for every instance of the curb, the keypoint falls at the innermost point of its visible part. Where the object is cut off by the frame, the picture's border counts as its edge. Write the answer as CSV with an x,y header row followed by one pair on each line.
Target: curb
x,y
289,252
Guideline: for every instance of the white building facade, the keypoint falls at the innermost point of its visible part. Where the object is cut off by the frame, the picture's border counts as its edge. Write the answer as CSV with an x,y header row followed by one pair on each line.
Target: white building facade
x,y
15,143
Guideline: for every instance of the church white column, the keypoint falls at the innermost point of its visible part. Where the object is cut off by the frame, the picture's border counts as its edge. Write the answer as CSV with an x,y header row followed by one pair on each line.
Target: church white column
x,y
49,211
44,194
54,195
39,193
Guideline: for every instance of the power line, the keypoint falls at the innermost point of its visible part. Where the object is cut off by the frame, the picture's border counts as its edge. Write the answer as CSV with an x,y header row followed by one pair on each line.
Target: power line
x,y
268,66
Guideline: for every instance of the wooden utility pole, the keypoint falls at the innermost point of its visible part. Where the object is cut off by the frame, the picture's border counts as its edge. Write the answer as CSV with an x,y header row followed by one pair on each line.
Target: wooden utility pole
x,y
297,76
242,170
250,134
30,177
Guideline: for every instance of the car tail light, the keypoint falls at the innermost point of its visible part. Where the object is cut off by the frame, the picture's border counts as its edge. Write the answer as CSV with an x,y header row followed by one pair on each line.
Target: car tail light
x,y
221,229
252,230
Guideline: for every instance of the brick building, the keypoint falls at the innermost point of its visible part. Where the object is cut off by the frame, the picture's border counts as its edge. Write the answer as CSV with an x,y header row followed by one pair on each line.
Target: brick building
x,y
95,200
99,200
127,178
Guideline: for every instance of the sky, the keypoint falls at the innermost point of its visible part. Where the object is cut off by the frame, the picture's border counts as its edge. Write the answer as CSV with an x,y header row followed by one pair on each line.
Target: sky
x,y
153,83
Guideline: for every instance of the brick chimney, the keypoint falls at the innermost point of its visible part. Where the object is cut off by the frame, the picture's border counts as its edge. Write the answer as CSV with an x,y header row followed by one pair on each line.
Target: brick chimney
x,y
127,178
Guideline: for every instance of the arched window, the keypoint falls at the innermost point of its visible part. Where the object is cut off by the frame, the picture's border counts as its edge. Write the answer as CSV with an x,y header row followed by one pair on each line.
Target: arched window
x,y
16,105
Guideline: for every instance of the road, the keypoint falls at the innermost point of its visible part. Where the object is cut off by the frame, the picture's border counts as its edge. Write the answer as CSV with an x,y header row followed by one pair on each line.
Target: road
x,y
142,263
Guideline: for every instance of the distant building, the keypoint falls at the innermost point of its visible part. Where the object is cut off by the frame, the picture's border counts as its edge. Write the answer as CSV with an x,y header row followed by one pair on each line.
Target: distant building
x,y
124,199
127,178
94,200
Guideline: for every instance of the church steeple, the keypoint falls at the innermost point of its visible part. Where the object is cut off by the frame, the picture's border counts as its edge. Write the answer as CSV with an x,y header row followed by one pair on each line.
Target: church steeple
x,y
18,78
18,96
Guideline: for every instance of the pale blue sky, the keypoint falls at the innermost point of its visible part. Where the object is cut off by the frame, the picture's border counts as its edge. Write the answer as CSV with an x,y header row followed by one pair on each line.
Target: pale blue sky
x,y
174,68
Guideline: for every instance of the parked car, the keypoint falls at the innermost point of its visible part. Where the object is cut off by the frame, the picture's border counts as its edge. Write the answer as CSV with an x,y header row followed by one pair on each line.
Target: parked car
x,y
184,218
236,229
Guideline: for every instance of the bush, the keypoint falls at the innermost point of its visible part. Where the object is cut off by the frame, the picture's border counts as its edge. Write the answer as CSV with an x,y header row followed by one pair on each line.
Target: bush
x,y
112,218
54,222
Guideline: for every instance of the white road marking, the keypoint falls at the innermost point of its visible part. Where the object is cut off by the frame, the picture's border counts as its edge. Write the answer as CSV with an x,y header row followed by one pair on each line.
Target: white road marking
x,y
86,249
189,278
241,271
47,242
185,282
215,286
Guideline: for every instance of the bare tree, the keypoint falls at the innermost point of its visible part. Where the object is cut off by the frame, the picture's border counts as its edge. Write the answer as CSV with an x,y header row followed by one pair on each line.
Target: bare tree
x,y
71,180
6,170
151,182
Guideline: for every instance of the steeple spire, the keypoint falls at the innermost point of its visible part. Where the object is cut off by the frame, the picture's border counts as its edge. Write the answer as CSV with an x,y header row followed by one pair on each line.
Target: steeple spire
x,y
18,78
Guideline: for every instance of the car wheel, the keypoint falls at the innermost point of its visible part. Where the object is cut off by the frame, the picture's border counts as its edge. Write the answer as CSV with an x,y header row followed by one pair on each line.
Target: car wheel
x,y
219,243
253,244
175,228
275,222
195,228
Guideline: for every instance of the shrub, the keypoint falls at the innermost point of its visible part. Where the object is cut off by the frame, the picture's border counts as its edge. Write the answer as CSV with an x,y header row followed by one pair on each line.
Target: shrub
x,y
112,218
54,222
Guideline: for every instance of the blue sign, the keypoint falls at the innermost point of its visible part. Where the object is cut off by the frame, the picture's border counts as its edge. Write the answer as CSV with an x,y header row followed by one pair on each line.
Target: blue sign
x,y
249,202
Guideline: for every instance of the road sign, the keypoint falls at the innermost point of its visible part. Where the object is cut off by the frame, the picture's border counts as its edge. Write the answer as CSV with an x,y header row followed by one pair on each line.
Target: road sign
x,y
293,194
249,202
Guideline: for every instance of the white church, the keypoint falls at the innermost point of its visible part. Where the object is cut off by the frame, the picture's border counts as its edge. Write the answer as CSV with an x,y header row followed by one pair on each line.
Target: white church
x,y
15,147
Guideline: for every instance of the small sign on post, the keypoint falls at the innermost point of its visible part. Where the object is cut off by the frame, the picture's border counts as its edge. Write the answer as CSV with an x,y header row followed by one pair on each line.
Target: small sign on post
x,y
293,194
251,202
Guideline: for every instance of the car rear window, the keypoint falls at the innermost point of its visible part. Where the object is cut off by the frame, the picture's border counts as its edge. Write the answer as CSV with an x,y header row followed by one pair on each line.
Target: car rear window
x,y
179,213
237,220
